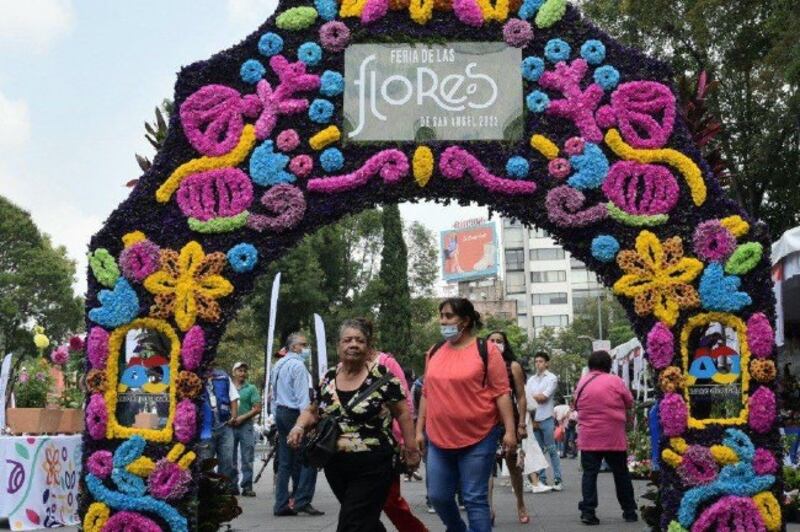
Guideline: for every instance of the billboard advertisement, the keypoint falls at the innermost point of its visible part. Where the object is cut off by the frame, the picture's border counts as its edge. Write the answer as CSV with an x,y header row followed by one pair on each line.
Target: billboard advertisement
x,y
469,253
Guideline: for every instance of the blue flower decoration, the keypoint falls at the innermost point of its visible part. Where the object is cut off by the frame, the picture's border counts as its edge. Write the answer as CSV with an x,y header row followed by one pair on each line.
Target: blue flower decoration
x,y
517,166
320,111
331,160
557,50
309,53
270,44
605,248
607,77
537,101
242,257
129,452
532,68
740,443
529,8
331,83
591,168
267,167
327,9
593,51
252,71
117,307
721,292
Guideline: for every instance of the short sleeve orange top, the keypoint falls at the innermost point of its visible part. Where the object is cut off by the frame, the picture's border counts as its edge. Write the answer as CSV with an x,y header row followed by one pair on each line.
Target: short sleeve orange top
x,y
459,410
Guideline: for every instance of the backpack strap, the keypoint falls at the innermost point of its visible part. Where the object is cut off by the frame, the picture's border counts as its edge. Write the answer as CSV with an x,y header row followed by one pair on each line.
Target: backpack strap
x,y
483,351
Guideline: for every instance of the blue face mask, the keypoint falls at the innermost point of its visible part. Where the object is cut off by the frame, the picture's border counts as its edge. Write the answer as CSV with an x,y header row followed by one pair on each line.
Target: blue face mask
x,y
305,353
450,332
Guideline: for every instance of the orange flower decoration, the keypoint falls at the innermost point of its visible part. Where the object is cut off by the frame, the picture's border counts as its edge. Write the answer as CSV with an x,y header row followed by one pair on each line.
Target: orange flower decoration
x,y
763,370
657,276
188,285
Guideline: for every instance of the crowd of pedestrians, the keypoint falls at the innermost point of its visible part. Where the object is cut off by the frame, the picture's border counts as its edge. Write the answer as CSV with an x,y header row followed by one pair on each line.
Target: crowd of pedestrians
x,y
473,413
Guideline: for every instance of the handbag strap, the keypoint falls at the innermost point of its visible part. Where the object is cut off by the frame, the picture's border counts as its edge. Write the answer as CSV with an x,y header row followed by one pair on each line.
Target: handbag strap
x,y
363,395
578,395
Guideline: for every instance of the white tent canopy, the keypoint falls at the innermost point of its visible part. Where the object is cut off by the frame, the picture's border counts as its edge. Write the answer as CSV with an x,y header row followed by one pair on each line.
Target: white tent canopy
x,y
786,276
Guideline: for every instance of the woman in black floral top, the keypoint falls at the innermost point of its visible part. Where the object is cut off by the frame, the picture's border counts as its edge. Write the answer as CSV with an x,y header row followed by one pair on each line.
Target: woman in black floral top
x,y
361,473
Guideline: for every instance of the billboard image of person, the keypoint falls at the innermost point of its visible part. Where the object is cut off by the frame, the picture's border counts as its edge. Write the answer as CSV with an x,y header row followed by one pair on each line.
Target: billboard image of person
x,y
469,253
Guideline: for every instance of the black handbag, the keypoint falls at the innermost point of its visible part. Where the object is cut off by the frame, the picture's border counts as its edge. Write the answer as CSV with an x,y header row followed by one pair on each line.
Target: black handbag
x,y
320,446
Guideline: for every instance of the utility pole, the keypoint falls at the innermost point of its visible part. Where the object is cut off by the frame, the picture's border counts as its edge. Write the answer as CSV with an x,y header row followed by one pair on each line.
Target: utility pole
x,y
599,320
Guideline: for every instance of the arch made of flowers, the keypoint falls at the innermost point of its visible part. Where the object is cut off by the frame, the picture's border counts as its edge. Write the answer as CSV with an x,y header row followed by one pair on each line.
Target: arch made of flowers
x,y
256,157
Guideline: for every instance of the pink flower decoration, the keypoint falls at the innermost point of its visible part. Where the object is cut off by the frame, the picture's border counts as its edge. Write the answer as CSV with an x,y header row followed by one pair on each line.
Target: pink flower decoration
x,y
76,343
140,260
578,105
168,481
564,205
288,139
392,165
637,107
455,162
468,12
219,193
334,36
185,421
559,168
760,336
287,202
698,466
641,189
97,347
574,146
100,464
194,344
517,33
730,513
130,522
301,165
280,101
96,417
660,345
673,414
60,355
713,242
212,119
374,10
764,462
762,410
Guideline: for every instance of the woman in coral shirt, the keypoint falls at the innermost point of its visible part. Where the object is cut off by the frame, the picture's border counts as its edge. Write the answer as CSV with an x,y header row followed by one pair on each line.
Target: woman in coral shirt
x,y
463,402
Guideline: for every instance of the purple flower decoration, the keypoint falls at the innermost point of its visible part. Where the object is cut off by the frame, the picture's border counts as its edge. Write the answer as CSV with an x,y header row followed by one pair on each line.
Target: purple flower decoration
x,y
673,414
698,466
96,417
185,421
140,260
334,36
660,345
713,242
130,521
76,343
100,464
764,462
60,356
762,410
760,336
730,513
517,33
194,343
168,481
97,347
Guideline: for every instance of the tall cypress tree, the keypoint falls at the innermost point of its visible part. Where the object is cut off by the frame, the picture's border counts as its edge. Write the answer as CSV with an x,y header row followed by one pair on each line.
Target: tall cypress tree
x,y
394,320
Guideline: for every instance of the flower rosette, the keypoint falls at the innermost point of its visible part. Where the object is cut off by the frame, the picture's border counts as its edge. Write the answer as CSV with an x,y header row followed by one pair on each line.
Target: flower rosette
x,y
188,385
673,414
185,421
96,417
698,466
671,380
763,410
168,480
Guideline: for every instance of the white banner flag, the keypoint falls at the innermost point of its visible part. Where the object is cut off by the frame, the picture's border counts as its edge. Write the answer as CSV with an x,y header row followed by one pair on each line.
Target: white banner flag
x,y
273,310
4,374
322,349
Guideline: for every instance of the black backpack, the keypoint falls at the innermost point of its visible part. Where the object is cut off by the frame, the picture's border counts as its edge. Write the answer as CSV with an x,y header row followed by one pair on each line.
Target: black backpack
x,y
483,351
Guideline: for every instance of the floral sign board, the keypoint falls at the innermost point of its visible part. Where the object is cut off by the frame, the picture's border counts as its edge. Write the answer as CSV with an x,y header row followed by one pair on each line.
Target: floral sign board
x,y
258,155
454,91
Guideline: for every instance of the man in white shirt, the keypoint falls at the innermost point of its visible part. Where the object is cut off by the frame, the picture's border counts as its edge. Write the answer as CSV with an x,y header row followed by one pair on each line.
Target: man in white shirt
x,y
540,390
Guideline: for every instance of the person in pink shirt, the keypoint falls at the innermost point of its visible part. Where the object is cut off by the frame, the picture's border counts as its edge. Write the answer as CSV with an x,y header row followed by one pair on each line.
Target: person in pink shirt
x,y
604,405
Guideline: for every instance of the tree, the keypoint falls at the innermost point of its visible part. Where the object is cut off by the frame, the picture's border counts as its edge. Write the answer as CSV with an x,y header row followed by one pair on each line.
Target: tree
x,y
517,336
394,320
423,266
35,284
750,47
243,341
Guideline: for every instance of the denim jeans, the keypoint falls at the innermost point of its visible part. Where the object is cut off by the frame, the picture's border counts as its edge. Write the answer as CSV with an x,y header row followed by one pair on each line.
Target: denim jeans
x,y
470,469
546,440
618,462
220,446
244,445
304,479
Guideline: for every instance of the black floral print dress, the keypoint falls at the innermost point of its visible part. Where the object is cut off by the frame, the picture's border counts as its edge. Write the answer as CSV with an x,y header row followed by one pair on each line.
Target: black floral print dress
x,y
368,425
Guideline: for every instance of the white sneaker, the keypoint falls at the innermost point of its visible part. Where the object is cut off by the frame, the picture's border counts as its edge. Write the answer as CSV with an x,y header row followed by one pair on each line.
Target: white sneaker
x,y
557,486
541,488
430,509
527,487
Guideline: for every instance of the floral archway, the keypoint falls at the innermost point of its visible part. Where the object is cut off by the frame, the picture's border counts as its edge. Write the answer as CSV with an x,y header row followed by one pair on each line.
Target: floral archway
x,y
586,141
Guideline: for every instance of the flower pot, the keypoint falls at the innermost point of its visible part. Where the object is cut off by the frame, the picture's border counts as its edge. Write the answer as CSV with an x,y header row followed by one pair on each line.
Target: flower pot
x,y
44,420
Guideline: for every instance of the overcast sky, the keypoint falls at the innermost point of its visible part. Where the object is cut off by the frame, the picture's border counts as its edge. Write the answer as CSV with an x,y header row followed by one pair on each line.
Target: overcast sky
x,y
77,82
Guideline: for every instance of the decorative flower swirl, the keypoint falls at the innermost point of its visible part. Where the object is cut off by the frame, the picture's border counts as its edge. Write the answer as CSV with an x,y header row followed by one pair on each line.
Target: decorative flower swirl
x,y
657,276
188,284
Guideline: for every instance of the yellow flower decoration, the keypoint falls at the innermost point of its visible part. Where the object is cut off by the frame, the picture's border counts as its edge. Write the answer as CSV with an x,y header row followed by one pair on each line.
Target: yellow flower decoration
x,y
177,455
141,467
188,285
422,165
544,146
498,12
736,225
323,138
96,517
421,10
724,455
679,444
769,509
671,457
352,8
657,276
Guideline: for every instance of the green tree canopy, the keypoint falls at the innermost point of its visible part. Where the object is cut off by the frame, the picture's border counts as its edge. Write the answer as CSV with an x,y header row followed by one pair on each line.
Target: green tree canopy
x,y
394,320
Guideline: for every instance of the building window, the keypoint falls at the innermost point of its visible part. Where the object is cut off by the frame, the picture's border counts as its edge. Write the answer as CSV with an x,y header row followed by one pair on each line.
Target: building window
x,y
547,254
515,283
515,260
583,296
556,320
550,276
575,263
553,298
538,232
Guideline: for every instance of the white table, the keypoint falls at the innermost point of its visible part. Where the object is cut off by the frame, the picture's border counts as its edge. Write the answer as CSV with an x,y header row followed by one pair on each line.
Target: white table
x,y
39,481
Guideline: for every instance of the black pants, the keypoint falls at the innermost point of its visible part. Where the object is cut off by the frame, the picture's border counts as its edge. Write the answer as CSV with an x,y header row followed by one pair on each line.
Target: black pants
x,y
618,462
361,483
